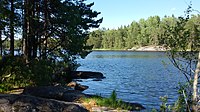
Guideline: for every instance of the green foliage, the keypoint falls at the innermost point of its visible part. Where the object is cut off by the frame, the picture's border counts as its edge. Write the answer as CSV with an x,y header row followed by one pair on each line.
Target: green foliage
x,y
41,72
54,34
75,18
184,102
17,73
164,107
13,73
183,39
175,32
112,102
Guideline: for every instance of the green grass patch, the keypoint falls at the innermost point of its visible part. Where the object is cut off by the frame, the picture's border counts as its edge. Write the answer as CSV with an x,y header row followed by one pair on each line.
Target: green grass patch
x,y
111,102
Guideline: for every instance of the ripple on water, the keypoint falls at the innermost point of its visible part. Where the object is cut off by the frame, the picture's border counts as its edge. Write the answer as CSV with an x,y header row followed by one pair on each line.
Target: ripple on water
x,y
136,76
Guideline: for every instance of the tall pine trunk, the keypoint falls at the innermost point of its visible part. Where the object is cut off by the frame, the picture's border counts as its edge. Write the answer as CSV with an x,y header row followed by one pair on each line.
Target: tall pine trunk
x,y
28,32
25,30
45,28
36,29
30,35
12,28
1,42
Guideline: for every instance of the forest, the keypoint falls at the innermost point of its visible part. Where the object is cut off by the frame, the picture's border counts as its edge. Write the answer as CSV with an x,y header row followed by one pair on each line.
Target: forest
x,y
152,31
48,35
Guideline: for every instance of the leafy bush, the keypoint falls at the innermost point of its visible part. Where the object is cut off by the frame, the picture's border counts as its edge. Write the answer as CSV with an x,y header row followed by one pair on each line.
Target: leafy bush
x,y
15,72
184,102
164,107
41,72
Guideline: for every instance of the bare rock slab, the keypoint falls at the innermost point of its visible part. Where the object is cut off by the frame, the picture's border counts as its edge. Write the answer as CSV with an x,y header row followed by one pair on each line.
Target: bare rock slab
x,y
25,103
55,92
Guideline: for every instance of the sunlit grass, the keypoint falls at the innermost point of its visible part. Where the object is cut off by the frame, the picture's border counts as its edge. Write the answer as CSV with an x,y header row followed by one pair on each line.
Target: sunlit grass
x,y
111,102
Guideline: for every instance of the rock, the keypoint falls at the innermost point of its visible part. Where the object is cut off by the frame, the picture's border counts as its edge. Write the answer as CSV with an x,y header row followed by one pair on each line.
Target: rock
x,y
152,48
78,80
133,49
135,106
72,84
55,92
77,86
73,96
34,99
86,75
100,109
25,103
97,80
81,87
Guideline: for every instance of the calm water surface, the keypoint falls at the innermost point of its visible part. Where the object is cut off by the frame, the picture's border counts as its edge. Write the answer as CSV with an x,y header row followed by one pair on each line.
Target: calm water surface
x,y
140,77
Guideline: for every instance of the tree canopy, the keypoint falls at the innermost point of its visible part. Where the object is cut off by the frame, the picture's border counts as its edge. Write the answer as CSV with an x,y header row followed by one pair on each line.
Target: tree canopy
x,y
47,26
151,31
48,35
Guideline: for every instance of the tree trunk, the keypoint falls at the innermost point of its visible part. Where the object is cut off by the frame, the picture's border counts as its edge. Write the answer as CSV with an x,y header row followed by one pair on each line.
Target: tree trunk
x,y
36,30
1,42
25,30
45,28
28,28
33,27
195,91
12,29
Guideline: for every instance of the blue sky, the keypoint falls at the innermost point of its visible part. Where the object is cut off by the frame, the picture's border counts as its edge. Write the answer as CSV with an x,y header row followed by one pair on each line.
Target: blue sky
x,y
122,12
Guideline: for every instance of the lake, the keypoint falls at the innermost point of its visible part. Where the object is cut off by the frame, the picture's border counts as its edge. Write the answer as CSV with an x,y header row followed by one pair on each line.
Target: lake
x,y
140,77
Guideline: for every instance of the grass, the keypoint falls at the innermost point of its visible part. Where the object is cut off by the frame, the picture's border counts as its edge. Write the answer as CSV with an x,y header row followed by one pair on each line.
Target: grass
x,y
111,102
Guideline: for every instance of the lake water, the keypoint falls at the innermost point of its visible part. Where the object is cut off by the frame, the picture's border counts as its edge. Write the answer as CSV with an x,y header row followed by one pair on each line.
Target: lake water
x,y
140,77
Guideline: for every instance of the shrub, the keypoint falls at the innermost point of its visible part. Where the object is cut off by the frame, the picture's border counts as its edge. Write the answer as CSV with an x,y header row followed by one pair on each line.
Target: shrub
x,y
15,72
41,72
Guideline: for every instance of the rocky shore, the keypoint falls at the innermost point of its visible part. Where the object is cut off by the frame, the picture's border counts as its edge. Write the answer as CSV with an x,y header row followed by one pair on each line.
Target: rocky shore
x,y
149,48
53,98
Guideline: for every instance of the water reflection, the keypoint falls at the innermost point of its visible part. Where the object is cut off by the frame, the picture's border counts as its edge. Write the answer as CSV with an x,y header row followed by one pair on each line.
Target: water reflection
x,y
127,54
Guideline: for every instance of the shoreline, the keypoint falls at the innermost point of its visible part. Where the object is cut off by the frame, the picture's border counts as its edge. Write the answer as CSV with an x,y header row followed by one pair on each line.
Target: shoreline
x,y
138,49
66,97
125,50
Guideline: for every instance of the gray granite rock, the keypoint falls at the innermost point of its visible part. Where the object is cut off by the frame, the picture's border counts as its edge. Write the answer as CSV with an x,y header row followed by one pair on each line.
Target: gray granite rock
x,y
55,92
26,103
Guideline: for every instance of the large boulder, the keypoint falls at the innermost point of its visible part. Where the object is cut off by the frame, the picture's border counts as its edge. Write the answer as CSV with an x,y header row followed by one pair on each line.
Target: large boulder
x,y
77,86
86,75
25,103
55,92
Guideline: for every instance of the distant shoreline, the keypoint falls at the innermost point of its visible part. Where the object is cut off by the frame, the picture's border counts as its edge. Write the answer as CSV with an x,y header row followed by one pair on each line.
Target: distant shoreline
x,y
138,49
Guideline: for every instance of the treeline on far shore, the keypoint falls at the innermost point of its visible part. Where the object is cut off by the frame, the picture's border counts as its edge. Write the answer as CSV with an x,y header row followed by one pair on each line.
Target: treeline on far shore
x,y
154,31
